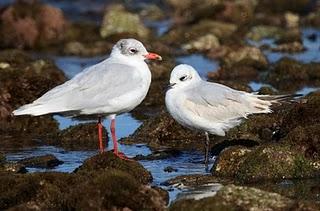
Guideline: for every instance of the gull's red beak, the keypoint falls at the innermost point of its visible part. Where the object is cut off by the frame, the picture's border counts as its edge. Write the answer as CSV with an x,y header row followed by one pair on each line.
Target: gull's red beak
x,y
153,56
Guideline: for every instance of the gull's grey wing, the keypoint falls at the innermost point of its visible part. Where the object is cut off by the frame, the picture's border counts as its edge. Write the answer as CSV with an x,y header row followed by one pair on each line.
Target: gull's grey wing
x,y
92,88
219,103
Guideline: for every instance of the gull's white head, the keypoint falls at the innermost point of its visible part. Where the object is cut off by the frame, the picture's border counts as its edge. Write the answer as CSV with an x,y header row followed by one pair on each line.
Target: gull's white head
x,y
183,75
132,48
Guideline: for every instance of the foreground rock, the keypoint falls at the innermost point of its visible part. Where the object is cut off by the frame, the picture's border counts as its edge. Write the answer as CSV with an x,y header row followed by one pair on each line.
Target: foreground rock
x,y
233,197
44,161
274,162
108,161
103,182
29,24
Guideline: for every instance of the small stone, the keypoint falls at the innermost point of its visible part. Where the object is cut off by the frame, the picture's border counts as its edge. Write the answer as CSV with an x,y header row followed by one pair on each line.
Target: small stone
x,y
4,65
44,161
292,20
170,169
15,168
203,43
119,21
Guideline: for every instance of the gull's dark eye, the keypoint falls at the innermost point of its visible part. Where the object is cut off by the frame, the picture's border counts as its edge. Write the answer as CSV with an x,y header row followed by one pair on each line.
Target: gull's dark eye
x,y
133,50
183,78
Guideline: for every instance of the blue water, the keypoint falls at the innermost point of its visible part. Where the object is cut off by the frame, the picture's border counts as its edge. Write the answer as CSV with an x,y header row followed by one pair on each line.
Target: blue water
x,y
311,54
202,64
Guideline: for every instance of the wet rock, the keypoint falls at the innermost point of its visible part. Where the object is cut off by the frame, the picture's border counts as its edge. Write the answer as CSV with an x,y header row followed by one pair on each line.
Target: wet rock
x,y
289,47
170,169
108,161
312,19
251,56
11,167
269,162
28,24
288,74
267,90
204,43
281,6
118,21
195,180
190,11
109,189
183,34
161,131
97,189
301,126
229,160
236,72
44,161
233,197
2,159
260,32
159,155
81,136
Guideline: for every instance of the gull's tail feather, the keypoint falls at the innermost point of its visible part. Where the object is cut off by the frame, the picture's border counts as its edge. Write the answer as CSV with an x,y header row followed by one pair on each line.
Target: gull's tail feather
x,y
32,109
278,98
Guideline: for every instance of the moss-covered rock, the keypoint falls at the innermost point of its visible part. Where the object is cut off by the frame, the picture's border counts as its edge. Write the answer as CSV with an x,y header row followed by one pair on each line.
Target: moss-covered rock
x,y
288,74
185,33
251,56
229,161
202,44
118,21
266,162
103,182
44,161
115,189
81,136
108,161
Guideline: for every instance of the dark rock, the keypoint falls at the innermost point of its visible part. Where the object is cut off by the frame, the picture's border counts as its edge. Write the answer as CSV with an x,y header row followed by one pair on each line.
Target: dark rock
x,y
170,169
288,74
115,189
81,136
108,161
2,159
233,197
11,167
229,160
281,6
184,33
271,162
159,155
21,82
28,24
289,47
94,186
236,72
195,180
44,161
162,130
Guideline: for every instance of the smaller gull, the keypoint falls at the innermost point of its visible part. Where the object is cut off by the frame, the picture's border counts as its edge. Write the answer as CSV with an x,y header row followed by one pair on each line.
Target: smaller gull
x,y
210,107
114,86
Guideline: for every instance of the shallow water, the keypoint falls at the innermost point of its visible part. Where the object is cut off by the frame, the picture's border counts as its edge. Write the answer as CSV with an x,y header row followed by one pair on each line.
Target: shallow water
x,y
202,64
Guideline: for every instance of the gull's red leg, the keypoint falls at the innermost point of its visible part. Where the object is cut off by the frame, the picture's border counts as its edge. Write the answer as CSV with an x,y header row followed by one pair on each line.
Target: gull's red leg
x,y
115,142
100,135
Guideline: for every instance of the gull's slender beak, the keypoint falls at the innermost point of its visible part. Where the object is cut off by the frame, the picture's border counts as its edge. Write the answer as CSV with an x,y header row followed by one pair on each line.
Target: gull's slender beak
x,y
170,86
153,56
